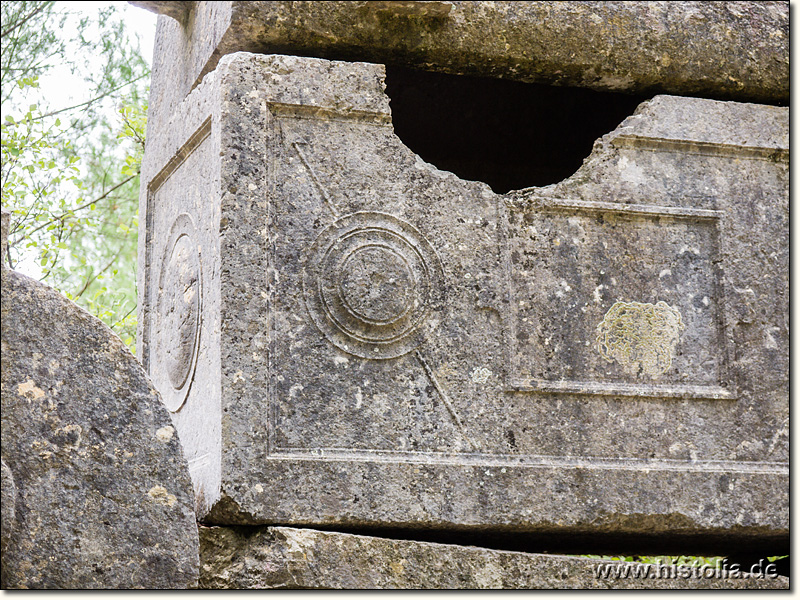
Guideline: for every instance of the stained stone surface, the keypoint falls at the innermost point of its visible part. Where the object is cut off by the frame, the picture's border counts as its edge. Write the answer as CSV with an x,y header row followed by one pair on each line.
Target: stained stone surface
x,y
379,343
730,50
287,558
95,490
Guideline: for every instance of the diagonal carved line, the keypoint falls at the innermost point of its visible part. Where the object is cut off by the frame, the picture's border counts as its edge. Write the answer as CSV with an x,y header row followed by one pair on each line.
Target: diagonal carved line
x,y
314,178
451,409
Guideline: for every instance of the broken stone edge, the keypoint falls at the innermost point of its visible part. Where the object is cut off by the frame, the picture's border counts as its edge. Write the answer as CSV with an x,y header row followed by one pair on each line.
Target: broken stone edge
x,y
290,558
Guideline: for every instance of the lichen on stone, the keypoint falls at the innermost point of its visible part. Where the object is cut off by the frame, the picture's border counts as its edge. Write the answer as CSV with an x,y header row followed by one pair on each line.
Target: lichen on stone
x,y
641,337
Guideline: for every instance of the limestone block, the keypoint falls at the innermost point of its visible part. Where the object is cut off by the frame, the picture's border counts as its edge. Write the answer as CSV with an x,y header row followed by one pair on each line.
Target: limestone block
x,y
287,558
177,10
347,335
729,50
95,490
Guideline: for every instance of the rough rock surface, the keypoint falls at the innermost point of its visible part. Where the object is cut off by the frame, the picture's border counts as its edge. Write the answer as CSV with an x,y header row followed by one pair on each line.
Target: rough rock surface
x,y
282,557
178,10
95,490
730,50
347,335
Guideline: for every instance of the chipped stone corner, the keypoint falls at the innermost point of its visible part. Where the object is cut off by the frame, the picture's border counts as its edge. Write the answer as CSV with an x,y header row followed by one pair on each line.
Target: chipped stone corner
x,y
228,510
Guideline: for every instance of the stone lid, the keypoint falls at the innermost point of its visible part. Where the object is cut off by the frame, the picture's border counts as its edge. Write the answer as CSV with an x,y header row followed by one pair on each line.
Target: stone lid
x,y
727,50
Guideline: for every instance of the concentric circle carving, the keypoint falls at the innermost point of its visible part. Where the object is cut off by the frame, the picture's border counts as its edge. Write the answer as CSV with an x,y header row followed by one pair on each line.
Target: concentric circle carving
x,y
370,283
179,310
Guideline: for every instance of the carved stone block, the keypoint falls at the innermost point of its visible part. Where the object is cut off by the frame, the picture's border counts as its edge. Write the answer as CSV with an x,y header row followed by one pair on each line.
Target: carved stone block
x,y
347,335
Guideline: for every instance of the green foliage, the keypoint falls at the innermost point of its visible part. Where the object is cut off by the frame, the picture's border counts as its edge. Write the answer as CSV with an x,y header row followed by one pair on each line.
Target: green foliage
x,y
691,561
70,175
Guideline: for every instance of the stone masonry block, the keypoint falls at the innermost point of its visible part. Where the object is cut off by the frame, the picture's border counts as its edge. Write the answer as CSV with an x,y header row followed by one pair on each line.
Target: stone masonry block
x,y
289,558
730,50
346,335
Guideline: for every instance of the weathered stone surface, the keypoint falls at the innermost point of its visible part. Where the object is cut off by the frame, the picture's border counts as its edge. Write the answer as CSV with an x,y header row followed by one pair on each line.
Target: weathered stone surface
x,y
731,50
95,490
371,341
282,557
178,10
5,220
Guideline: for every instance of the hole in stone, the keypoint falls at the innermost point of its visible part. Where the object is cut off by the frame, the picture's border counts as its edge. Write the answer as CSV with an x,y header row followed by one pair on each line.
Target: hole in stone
x,y
507,134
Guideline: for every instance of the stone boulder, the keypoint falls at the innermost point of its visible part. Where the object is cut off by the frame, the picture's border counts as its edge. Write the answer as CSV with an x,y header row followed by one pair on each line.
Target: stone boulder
x,y
95,488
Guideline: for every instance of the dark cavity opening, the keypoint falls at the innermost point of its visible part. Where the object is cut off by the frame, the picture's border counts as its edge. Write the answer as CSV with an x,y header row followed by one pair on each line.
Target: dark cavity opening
x,y
507,134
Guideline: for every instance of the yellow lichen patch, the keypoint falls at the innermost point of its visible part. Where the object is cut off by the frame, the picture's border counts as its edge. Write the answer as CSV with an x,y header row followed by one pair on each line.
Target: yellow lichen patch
x,y
165,433
41,448
641,337
480,375
398,568
159,494
29,390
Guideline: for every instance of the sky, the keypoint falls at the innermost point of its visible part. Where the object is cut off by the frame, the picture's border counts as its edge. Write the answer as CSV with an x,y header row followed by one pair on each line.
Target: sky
x,y
143,23
61,88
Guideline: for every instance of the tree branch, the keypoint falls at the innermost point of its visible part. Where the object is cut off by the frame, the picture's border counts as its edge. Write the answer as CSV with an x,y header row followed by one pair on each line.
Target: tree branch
x,y
33,13
128,314
100,272
81,207
95,99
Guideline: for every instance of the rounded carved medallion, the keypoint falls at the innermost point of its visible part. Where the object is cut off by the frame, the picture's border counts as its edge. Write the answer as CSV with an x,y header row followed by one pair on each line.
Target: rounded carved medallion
x,y
179,310
370,283
376,284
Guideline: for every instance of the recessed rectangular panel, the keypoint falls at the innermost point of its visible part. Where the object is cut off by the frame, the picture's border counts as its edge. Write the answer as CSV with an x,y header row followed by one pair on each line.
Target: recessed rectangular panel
x,y
617,300
367,296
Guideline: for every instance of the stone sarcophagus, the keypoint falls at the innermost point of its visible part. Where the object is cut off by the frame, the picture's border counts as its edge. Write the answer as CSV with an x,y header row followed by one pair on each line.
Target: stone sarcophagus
x,y
348,336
